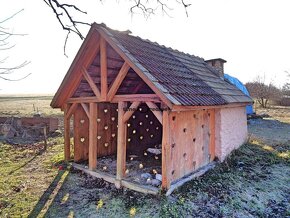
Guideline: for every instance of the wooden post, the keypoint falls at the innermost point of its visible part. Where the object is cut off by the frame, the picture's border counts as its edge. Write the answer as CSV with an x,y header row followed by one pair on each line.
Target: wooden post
x,y
103,59
66,135
93,136
45,138
166,147
212,135
121,144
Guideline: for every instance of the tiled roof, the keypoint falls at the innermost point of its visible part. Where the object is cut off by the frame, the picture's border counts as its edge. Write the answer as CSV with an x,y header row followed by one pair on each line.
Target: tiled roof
x,y
185,79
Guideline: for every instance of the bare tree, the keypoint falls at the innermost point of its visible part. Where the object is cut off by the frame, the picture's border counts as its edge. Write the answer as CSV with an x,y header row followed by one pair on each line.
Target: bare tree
x,y
286,86
263,92
5,36
64,13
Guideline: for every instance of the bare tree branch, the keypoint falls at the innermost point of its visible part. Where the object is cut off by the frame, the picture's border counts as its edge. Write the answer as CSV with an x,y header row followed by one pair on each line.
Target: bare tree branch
x,y
64,11
5,34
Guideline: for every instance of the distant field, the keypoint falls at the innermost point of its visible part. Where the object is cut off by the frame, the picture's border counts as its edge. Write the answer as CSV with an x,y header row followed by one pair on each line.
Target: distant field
x,y
27,105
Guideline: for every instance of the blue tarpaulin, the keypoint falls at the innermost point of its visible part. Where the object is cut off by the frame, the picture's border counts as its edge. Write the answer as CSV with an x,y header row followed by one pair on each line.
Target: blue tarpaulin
x,y
241,87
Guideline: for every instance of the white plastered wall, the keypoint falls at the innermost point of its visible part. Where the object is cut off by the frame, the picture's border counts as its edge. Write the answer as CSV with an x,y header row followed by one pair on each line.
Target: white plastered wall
x,y
231,130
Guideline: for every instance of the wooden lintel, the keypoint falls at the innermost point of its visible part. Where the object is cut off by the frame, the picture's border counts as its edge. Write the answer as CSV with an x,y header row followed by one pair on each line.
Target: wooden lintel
x,y
136,97
66,135
155,110
86,109
121,142
104,76
191,108
70,110
83,100
93,136
91,83
131,110
118,80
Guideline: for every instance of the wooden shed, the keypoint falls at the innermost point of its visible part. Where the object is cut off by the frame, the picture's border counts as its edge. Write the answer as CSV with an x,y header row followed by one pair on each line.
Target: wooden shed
x,y
138,107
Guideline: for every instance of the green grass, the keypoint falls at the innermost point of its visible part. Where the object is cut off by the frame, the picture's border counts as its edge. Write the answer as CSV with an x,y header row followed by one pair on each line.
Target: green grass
x,y
26,173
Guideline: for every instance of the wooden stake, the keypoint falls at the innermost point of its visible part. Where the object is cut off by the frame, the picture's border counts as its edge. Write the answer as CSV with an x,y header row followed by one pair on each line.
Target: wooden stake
x,y
93,137
121,142
66,135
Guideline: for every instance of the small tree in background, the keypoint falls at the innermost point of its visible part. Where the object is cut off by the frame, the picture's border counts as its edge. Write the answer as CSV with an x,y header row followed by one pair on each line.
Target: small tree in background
x,y
286,86
263,92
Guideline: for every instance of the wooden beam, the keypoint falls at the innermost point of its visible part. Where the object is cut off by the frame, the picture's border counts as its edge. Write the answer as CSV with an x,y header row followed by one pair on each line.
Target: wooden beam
x,y
166,147
155,110
100,175
66,135
71,109
91,83
121,143
93,136
118,80
140,188
83,100
212,134
191,108
131,110
103,60
136,97
189,177
135,67
84,57
86,109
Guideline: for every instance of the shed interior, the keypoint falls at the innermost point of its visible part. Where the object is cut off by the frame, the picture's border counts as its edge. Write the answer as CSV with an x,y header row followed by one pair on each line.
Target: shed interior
x,y
144,132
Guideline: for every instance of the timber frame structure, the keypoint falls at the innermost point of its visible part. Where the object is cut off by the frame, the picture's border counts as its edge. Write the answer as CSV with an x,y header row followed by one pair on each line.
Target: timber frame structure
x,y
113,76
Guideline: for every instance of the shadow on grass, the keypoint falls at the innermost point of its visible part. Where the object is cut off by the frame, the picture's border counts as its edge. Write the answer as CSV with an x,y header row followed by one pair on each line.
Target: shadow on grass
x,y
29,161
48,194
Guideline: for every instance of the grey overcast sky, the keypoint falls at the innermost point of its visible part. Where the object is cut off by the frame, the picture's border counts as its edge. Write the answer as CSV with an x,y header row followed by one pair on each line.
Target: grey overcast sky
x,y
252,35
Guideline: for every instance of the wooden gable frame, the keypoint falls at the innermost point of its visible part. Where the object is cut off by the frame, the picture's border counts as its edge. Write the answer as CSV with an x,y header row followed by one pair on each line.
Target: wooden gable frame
x,y
95,43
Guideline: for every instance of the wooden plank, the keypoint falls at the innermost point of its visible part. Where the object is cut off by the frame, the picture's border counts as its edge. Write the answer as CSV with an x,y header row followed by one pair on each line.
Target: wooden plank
x,y
155,110
71,110
130,111
166,147
121,142
191,108
91,83
134,66
140,188
138,87
86,109
96,174
104,76
136,97
93,136
185,179
66,136
81,135
118,80
212,135
83,100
